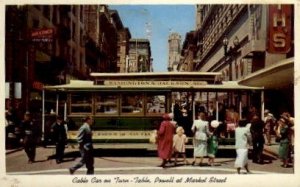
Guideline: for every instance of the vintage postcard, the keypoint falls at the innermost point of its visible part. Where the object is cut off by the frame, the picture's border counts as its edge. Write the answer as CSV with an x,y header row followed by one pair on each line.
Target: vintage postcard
x,y
147,93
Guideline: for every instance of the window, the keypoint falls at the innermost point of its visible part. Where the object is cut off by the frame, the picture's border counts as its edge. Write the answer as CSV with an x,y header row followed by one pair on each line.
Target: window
x,y
132,103
81,103
106,104
35,23
156,104
46,12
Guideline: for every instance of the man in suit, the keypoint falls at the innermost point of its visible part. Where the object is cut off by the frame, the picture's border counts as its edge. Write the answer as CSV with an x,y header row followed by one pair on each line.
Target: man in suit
x,y
60,137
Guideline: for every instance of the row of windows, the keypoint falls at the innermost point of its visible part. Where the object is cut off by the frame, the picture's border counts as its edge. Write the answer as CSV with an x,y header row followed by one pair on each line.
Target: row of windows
x,y
115,104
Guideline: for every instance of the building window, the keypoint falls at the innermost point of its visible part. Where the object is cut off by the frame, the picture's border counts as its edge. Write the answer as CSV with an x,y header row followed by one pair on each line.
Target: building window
x,y
74,10
81,13
132,103
37,7
73,31
35,23
46,12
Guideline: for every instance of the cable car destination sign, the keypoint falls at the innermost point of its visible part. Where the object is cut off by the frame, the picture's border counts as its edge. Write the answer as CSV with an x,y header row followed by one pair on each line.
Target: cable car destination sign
x,y
153,83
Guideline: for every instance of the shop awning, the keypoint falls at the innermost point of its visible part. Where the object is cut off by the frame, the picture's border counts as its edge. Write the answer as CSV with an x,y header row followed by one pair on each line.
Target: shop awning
x,y
276,76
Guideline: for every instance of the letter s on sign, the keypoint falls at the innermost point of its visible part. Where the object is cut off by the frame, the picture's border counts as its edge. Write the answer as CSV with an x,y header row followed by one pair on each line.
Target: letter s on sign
x,y
279,40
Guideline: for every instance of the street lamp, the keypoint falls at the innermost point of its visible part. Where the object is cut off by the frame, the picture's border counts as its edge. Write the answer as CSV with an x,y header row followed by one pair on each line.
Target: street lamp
x,y
231,52
225,45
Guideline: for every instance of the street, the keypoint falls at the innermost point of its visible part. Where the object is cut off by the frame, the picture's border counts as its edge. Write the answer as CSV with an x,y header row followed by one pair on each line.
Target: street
x,y
124,159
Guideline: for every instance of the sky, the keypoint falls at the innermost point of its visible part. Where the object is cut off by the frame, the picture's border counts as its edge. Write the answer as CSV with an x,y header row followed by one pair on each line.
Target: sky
x,y
161,21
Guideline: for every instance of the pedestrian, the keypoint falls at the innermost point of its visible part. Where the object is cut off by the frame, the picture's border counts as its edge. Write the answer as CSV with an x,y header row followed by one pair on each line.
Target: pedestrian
x,y
232,118
165,139
242,142
256,129
269,121
84,139
60,138
212,143
200,130
283,132
29,136
179,141
10,135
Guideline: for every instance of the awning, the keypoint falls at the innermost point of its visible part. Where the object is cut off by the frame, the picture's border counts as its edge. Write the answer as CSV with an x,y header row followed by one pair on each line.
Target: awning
x,y
276,76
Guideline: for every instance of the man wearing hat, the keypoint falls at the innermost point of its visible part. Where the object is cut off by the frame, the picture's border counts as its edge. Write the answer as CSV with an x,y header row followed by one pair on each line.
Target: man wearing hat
x,y
60,137
269,121
29,135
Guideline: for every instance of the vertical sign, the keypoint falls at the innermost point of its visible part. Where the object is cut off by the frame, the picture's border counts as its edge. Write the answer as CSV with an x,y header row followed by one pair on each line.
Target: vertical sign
x,y
7,90
18,90
279,29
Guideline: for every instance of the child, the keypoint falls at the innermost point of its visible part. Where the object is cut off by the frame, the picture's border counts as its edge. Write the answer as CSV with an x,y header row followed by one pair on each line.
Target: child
x,y
179,141
212,146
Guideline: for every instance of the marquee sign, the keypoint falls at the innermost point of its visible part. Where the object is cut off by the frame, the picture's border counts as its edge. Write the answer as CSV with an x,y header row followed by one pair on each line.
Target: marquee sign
x,y
115,134
279,29
153,83
42,35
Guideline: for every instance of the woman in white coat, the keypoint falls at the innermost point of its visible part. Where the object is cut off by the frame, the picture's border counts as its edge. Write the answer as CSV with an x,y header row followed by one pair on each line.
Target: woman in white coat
x,y
242,143
201,131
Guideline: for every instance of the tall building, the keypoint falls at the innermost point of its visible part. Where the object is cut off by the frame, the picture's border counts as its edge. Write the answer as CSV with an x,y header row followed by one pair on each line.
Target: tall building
x,y
123,42
252,44
52,44
174,51
186,62
49,42
139,55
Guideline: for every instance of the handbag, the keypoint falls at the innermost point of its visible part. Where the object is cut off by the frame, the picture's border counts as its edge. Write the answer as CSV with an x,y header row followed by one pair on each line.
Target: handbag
x,y
230,127
153,137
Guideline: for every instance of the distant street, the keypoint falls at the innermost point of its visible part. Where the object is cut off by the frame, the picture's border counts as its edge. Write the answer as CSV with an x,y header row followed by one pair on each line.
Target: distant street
x,y
126,160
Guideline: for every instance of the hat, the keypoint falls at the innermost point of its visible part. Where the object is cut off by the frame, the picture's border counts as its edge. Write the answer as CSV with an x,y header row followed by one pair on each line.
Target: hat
x,y
168,116
214,123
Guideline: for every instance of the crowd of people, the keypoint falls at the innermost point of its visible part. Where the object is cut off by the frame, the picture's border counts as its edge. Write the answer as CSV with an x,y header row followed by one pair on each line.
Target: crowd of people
x,y
249,130
171,138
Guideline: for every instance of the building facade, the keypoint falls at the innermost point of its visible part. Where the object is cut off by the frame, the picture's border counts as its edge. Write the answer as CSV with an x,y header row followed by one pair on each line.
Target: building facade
x,y
54,44
139,55
174,51
249,43
186,62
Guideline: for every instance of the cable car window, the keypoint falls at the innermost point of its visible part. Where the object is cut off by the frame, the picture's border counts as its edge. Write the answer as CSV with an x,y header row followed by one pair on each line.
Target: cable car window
x,y
132,103
106,103
156,104
81,103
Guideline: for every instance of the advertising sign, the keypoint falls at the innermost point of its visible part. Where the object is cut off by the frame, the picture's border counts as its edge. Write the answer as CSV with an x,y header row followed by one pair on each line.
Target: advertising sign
x,y
279,29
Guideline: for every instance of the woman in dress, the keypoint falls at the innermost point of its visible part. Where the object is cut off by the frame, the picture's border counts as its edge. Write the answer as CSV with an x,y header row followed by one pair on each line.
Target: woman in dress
x,y
212,146
283,132
165,139
200,130
242,142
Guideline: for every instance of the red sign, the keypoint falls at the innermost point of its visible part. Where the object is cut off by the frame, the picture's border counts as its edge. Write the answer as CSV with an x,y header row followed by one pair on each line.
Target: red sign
x,y
37,85
280,28
42,33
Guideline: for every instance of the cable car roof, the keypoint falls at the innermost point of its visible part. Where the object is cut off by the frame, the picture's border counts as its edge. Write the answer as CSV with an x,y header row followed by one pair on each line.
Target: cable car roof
x,y
79,85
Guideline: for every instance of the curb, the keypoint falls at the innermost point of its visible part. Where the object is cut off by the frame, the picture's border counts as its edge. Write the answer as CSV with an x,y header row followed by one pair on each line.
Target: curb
x,y
13,151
